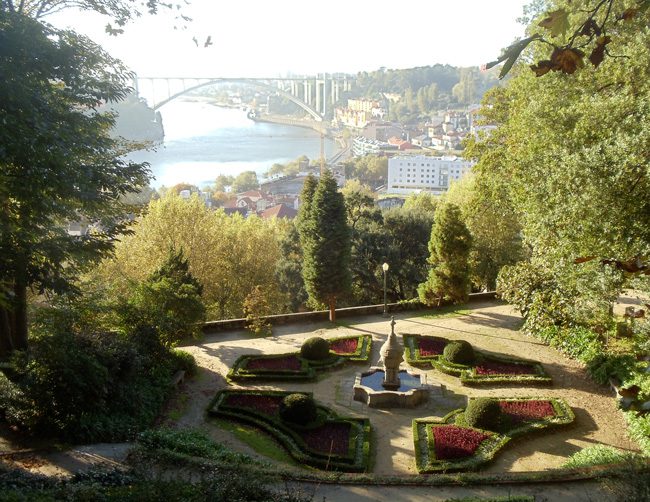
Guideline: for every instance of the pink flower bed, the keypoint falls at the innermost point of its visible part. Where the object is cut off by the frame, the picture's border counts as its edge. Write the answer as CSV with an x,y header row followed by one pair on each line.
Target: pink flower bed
x,y
497,368
344,346
334,437
431,346
290,362
521,411
452,442
269,405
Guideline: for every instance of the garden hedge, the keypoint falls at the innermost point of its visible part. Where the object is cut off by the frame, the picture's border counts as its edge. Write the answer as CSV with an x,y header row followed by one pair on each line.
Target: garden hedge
x,y
470,374
354,460
425,448
305,369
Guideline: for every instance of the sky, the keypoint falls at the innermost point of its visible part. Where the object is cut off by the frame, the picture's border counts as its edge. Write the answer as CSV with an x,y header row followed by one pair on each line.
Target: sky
x,y
256,38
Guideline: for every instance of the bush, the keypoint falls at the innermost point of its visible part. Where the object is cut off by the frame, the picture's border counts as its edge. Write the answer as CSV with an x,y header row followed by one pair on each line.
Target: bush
x,y
183,361
483,413
598,455
459,352
298,409
315,349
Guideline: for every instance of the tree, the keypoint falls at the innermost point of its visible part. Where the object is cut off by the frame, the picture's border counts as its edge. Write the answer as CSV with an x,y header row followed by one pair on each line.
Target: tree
x,y
288,270
58,162
492,223
121,11
169,301
229,255
408,232
574,153
449,246
326,245
359,203
245,181
222,182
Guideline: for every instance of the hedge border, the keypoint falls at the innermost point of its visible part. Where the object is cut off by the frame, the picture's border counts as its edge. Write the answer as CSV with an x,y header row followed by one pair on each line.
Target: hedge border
x,y
424,447
467,373
308,369
356,460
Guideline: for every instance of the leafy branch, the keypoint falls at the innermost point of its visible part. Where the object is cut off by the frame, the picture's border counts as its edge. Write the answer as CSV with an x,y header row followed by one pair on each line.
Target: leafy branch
x,y
567,57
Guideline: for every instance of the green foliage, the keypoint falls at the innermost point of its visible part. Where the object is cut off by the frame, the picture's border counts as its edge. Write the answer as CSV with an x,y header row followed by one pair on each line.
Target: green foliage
x,y
459,352
483,413
86,388
184,361
298,409
325,238
57,160
255,307
190,442
288,270
423,202
449,247
598,455
169,302
245,181
315,348
369,170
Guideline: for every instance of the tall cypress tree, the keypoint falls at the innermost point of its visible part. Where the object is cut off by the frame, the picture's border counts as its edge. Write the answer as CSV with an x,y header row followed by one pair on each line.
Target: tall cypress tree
x,y
449,246
325,237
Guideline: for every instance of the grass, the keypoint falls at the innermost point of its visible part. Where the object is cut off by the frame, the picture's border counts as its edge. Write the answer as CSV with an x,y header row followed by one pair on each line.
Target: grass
x,y
443,312
258,440
179,407
598,455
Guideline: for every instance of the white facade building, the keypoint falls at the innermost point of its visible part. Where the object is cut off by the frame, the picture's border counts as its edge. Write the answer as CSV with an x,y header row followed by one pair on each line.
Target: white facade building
x,y
412,174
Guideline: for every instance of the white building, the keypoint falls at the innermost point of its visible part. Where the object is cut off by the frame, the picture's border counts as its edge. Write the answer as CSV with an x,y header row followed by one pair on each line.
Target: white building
x,y
418,173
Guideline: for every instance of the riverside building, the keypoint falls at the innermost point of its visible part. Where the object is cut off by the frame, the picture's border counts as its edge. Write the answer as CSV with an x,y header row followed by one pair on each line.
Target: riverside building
x,y
419,173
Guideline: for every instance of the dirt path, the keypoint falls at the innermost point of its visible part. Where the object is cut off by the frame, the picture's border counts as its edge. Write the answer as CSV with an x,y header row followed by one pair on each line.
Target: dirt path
x,y
489,327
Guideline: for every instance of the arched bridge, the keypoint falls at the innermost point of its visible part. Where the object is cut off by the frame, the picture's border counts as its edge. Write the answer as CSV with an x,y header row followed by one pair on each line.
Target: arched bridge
x,y
315,95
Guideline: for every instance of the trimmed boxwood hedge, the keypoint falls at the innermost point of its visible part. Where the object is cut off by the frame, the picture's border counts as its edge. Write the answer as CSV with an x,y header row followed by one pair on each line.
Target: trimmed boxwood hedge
x,y
308,368
468,373
356,458
426,461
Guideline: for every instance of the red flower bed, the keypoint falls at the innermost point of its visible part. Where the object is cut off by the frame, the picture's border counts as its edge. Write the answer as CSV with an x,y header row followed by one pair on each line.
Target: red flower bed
x,y
290,362
344,346
452,442
497,368
268,405
431,346
521,411
334,437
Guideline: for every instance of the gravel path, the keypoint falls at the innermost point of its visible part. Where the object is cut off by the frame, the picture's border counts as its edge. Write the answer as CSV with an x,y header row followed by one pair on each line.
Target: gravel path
x,y
490,327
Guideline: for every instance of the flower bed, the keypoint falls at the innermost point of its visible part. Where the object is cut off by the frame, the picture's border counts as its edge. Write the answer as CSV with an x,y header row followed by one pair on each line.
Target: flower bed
x,y
293,366
336,443
525,411
289,362
344,346
424,350
451,441
451,445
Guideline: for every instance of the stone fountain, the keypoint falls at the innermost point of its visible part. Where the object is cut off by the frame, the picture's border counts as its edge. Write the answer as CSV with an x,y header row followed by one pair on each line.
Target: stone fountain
x,y
387,386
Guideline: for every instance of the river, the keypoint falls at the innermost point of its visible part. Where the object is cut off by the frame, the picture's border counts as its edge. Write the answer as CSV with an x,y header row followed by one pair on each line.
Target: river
x,y
203,141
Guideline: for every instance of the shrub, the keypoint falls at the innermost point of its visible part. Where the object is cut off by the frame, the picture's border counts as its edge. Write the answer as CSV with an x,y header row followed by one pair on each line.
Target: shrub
x,y
459,352
298,409
315,349
185,361
483,413
256,307
598,455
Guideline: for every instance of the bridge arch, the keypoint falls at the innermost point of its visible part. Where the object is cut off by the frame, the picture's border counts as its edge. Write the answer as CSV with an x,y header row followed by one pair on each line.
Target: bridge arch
x,y
256,83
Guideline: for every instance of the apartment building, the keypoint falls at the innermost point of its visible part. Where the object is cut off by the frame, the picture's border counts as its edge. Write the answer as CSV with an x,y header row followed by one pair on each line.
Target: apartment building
x,y
418,173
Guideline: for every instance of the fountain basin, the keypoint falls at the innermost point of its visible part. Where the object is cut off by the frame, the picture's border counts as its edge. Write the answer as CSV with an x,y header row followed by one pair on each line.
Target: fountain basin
x,y
411,392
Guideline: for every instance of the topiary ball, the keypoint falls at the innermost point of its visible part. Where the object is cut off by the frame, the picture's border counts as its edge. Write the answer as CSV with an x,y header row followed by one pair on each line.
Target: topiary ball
x,y
298,409
483,413
459,352
315,348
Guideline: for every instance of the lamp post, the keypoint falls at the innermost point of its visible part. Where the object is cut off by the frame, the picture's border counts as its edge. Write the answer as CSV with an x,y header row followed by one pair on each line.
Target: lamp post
x,y
384,267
